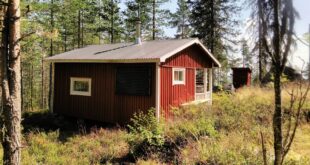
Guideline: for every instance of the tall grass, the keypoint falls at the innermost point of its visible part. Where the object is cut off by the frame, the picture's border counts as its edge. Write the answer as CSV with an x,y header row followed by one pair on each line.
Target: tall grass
x,y
240,118
228,132
101,145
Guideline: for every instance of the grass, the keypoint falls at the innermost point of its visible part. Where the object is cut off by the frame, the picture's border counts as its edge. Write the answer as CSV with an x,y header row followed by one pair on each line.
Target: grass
x,y
301,145
226,133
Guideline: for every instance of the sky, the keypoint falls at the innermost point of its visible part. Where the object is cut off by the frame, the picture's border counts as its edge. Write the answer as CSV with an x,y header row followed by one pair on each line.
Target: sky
x,y
301,27
299,52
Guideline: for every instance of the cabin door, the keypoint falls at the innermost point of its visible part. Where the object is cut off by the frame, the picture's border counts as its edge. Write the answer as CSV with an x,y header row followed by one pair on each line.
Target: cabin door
x,y
203,84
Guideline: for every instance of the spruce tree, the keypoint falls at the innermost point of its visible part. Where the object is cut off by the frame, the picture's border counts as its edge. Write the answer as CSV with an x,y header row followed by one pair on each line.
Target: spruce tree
x,y
213,22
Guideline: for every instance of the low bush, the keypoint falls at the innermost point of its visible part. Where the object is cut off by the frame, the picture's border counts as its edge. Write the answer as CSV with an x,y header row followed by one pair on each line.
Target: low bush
x,y
191,122
228,132
146,134
100,146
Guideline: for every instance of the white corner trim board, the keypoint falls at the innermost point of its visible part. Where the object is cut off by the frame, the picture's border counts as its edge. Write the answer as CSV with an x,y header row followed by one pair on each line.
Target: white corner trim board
x,y
157,99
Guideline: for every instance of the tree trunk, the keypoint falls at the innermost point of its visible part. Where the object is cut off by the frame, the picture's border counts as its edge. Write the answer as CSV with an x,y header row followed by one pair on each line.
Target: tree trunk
x,y
215,74
42,83
11,87
277,119
264,150
309,54
154,21
51,53
79,29
261,57
82,29
112,22
31,87
65,40
182,27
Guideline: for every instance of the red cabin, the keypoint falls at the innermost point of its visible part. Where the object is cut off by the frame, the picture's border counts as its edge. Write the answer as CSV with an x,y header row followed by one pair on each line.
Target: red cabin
x,y
241,77
111,82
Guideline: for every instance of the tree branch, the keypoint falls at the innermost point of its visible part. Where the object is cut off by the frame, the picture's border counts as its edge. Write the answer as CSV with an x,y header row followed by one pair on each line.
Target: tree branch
x,y
302,99
24,36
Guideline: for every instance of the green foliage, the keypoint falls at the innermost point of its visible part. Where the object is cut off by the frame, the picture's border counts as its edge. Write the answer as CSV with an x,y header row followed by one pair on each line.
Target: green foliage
x,y
246,55
214,23
241,111
226,132
145,128
180,19
191,122
210,151
99,146
110,21
143,10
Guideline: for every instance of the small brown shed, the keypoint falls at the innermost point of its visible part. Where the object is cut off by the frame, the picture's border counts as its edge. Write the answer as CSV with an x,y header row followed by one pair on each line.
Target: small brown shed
x,y
241,77
111,82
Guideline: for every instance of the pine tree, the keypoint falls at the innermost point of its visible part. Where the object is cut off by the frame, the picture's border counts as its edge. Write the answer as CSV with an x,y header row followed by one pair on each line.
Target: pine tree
x,y
110,21
180,19
11,83
152,18
160,18
257,15
137,10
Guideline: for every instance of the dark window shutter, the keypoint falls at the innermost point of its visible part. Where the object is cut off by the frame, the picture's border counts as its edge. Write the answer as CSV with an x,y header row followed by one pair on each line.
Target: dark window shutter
x,y
133,81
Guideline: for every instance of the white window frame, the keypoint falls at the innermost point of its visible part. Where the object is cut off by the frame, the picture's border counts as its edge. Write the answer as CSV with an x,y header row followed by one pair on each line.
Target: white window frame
x,y
80,93
177,82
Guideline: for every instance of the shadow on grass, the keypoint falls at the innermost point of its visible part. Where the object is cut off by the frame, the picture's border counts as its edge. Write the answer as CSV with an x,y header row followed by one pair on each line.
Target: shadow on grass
x,y
45,121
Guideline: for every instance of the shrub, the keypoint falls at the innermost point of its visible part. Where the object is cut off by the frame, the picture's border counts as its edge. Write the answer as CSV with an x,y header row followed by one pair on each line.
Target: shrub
x,y
232,149
145,132
99,146
192,122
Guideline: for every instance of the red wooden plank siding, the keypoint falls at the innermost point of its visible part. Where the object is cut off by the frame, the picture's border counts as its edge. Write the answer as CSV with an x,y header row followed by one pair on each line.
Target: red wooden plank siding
x,y
249,79
174,95
103,104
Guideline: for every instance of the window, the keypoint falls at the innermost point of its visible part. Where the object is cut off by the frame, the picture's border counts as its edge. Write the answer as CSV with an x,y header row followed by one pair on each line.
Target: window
x,y
178,76
200,82
80,86
133,81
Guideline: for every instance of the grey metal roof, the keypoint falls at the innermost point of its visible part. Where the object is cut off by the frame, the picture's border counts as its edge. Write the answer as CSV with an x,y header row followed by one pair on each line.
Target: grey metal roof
x,y
149,51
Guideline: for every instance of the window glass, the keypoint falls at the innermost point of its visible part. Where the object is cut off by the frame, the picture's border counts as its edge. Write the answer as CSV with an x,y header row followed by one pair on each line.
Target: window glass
x,y
178,76
82,86
200,86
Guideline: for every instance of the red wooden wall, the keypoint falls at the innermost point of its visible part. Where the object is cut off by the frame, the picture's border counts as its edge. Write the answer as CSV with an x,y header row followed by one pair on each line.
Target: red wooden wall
x,y
103,104
174,95
241,77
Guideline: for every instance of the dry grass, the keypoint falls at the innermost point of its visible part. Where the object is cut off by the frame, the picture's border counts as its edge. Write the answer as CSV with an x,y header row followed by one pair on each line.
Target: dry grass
x,y
301,145
229,133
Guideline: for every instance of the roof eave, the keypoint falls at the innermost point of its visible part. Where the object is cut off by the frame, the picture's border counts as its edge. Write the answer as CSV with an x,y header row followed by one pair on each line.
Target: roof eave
x,y
102,61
